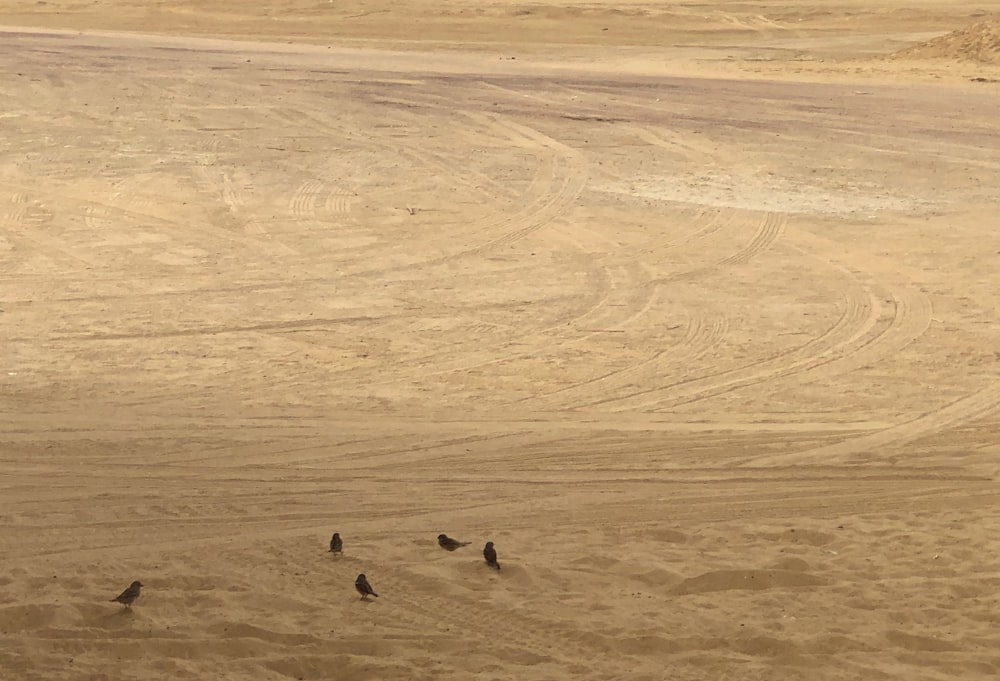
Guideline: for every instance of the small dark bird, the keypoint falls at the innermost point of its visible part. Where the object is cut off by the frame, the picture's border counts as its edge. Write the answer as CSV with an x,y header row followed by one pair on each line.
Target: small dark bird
x,y
363,587
129,595
449,544
336,543
490,554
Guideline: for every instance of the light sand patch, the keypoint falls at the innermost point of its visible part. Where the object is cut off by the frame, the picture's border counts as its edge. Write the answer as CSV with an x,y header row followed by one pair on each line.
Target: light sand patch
x,y
750,192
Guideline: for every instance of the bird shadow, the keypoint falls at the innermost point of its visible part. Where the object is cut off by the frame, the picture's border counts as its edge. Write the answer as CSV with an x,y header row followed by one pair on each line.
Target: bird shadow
x,y
119,618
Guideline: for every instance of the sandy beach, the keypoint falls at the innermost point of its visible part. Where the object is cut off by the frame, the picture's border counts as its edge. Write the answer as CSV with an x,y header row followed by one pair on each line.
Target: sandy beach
x,y
690,308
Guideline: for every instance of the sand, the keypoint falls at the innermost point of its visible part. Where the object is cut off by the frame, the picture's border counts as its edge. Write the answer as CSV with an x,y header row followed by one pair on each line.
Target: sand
x,y
979,42
694,317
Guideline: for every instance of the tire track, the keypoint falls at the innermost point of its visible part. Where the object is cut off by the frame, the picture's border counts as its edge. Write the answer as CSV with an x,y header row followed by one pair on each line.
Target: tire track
x,y
983,402
558,194
690,152
531,344
769,230
700,337
528,344
556,185
220,185
397,146
717,220
31,222
302,205
231,199
339,201
177,230
854,342
860,315
722,220
308,199
473,182
369,453
537,215
911,318
544,186
628,293
770,226
558,181
135,199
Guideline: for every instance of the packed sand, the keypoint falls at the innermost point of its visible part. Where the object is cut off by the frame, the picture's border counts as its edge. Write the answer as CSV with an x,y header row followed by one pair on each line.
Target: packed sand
x,y
690,308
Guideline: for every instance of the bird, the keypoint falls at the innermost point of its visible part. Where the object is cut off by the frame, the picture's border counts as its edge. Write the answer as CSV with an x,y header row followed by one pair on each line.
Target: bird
x,y
363,587
449,544
129,595
490,554
336,543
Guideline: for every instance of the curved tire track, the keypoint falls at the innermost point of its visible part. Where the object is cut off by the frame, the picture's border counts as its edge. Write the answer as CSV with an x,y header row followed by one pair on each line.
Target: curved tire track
x,y
980,403
860,314
769,230
700,337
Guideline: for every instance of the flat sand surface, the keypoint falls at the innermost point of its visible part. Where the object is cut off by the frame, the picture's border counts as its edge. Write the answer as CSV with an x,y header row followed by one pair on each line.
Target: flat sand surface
x,y
691,309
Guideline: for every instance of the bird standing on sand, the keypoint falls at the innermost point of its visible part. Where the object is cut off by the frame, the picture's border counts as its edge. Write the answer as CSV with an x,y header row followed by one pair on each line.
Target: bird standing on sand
x,y
449,544
336,543
129,595
490,554
363,587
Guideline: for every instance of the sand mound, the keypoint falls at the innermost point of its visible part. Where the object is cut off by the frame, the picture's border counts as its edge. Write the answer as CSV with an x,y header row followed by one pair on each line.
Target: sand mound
x,y
979,42
753,580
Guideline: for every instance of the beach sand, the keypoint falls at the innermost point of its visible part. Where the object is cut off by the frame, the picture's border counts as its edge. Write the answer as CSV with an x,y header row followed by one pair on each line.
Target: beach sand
x,y
691,309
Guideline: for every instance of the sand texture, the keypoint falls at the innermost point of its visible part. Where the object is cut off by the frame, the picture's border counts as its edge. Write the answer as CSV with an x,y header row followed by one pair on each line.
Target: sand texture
x,y
690,308
979,42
